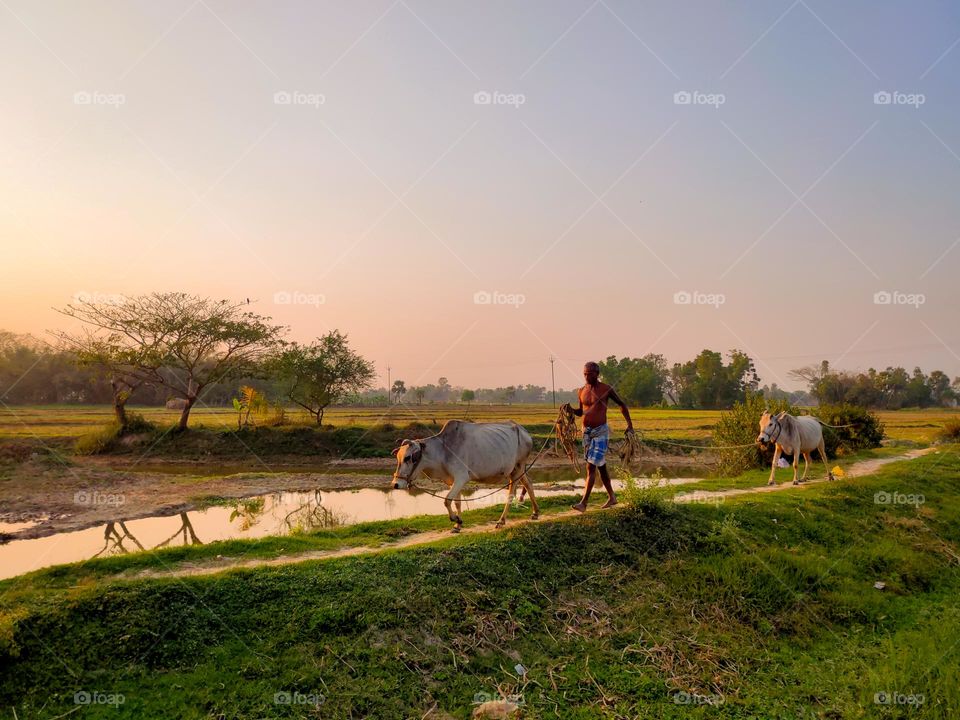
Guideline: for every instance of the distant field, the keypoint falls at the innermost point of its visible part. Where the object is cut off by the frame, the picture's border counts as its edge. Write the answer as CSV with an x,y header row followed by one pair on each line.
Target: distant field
x,y
70,421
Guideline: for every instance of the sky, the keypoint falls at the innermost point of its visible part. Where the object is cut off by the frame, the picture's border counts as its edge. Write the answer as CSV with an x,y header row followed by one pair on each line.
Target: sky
x,y
467,188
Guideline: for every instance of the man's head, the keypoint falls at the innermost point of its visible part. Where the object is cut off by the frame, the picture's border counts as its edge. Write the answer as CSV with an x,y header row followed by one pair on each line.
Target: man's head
x,y
591,373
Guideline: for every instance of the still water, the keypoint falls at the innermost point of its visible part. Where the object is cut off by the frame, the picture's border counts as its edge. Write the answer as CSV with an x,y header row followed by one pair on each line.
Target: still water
x,y
278,513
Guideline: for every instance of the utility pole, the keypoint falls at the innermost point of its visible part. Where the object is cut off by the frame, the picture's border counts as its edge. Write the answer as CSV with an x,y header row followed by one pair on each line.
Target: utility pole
x,y
389,388
553,384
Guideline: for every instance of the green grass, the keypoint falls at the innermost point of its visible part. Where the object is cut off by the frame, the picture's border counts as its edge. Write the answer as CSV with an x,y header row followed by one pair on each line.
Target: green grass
x,y
765,604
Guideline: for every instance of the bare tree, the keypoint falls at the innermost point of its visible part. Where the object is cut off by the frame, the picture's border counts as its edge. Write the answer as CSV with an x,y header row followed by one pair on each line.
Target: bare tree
x,y
181,342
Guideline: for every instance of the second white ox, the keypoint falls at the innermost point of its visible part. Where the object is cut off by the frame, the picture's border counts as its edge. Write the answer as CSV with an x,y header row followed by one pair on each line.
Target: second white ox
x,y
793,435
464,451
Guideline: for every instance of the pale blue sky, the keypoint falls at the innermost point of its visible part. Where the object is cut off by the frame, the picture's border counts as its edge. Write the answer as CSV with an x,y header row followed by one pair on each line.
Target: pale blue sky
x,y
398,197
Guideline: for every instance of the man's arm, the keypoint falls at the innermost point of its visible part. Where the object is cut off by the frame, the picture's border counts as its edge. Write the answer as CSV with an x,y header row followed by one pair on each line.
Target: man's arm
x,y
623,408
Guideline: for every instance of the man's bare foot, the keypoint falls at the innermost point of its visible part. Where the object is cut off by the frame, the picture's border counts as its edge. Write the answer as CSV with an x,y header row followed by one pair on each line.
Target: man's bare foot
x,y
580,507
610,503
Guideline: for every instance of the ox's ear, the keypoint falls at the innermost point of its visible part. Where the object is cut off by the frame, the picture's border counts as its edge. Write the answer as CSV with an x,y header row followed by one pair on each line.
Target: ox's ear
x,y
397,448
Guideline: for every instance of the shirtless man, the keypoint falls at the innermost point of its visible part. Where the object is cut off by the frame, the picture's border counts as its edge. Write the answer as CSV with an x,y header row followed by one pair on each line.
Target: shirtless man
x,y
594,398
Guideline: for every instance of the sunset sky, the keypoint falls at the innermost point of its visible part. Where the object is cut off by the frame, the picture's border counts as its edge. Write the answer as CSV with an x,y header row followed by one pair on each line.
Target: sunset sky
x,y
386,168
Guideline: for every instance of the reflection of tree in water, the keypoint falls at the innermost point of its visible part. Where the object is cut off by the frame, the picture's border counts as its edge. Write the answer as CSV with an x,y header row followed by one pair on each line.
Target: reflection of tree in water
x,y
248,511
116,533
113,539
312,515
186,530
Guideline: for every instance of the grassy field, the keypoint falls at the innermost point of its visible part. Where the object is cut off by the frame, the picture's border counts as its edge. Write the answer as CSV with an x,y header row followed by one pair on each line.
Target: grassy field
x,y
67,422
761,607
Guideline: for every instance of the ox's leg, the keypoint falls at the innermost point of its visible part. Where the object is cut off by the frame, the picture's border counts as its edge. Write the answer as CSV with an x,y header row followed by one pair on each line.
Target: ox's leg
x,y
527,486
511,489
821,448
796,465
535,515
806,465
773,467
454,494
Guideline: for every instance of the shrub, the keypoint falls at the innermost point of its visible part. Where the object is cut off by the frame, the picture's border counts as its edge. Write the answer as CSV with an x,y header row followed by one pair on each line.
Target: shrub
x,y
866,430
740,426
950,432
98,441
106,438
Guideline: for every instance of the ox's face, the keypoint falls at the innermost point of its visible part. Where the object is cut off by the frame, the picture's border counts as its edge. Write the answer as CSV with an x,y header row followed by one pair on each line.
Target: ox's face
x,y
768,428
408,455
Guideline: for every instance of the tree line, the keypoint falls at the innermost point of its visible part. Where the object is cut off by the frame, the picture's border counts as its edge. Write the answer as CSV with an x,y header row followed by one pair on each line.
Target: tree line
x,y
889,389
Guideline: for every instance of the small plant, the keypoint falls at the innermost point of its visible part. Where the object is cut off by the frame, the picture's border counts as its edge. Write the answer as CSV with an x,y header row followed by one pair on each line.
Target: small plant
x,y
950,432
650,495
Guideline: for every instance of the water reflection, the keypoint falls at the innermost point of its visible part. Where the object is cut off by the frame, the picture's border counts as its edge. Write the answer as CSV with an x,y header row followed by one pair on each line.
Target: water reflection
x,y
278,513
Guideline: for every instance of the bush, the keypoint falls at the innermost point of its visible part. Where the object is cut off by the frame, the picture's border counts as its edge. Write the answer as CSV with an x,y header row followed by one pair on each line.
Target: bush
x,y
866,430
107,437
950,432
739,426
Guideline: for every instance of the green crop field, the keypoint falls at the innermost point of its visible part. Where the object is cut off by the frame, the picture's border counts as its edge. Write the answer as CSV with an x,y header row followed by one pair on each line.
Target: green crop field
x,y
71,421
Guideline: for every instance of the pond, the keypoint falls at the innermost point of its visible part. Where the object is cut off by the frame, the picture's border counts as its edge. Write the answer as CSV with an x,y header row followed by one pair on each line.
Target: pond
x,y
277,513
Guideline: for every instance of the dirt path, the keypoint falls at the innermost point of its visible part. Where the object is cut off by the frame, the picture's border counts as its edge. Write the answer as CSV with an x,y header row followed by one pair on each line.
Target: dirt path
x,y
858,469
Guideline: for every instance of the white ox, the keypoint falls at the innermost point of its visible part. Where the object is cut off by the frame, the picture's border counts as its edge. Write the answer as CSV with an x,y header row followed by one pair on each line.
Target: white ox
x,y
464,451
793,435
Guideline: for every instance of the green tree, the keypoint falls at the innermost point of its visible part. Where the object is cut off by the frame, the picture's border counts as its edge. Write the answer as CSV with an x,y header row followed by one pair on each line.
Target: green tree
x,y
324,372
468,396
399,389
